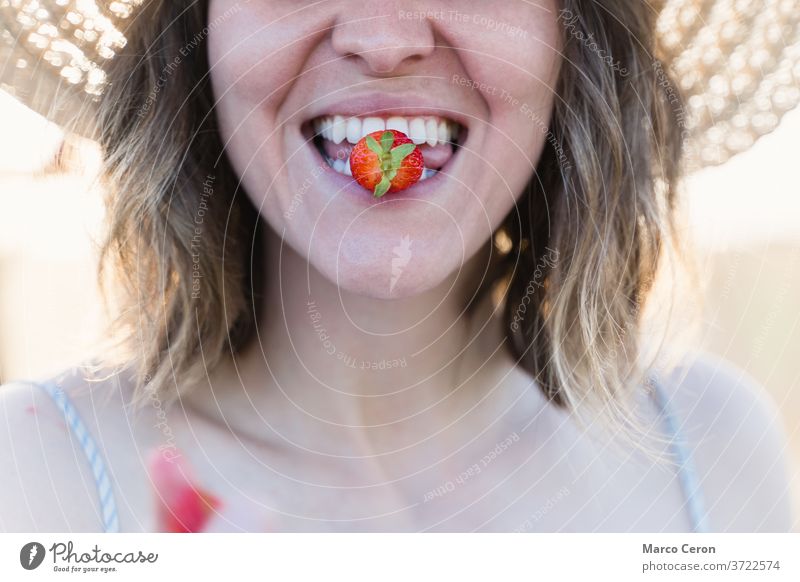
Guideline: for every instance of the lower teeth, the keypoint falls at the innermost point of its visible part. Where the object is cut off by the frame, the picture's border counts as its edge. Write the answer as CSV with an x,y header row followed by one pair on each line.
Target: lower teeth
x,y
343,167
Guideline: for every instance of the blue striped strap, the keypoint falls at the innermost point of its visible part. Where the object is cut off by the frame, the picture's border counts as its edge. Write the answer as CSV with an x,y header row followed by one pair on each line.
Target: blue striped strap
x,y
690,483
93,455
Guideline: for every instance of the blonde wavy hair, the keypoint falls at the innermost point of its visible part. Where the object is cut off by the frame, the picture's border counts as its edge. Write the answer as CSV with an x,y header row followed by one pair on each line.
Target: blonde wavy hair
x,y
602,196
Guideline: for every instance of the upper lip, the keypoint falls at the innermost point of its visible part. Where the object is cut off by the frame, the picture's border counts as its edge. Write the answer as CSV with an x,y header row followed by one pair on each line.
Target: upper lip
x,y
388,105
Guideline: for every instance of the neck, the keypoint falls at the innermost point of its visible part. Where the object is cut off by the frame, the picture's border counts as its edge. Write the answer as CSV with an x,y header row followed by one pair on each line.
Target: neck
x,y
335,359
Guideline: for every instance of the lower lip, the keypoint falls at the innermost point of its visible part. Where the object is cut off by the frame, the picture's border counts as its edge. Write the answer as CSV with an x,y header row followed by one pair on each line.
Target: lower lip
x,y
346,186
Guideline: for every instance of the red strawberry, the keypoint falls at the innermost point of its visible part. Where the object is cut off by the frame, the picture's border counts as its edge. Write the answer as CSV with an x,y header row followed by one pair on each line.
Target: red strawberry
x,y
181,506
386,161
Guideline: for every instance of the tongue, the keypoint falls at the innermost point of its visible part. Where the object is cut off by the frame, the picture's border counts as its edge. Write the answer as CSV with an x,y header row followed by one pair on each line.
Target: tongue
x,y
435,157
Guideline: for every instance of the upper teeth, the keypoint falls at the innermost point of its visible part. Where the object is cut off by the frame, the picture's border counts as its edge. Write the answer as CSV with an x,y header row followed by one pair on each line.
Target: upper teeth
x,y
421,130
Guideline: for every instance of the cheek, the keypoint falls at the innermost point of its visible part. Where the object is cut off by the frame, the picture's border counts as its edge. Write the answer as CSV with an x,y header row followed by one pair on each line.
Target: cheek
x,y
518,51
258,48
245,63
255,51
513,61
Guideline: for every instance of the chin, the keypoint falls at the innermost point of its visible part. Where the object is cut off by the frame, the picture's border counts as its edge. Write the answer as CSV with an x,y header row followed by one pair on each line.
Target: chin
x,y
397,264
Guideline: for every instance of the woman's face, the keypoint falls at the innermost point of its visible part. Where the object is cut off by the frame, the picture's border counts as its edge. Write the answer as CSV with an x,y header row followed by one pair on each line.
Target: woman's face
x,y
480,74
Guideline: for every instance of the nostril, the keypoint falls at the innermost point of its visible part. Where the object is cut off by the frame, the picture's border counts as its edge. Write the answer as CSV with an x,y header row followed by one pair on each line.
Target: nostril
x,y
387,60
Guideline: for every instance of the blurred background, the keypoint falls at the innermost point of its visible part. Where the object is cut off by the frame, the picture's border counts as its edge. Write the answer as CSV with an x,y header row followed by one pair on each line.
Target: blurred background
x,y
744,218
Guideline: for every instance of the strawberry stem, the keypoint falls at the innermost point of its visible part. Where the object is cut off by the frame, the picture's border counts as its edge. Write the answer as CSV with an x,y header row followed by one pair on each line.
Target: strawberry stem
x,y
390,159
382,187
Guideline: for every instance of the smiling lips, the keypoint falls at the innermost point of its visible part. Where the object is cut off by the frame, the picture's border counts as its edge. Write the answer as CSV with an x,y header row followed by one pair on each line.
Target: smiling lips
x,y
436,138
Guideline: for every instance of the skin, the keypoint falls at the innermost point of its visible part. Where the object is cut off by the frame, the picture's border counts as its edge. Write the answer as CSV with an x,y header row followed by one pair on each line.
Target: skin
x,y
299,433
268,83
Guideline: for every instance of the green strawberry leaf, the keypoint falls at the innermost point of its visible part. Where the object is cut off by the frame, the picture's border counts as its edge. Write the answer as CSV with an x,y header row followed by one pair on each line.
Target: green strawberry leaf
x,y
382,187
387,139
373,145
401,152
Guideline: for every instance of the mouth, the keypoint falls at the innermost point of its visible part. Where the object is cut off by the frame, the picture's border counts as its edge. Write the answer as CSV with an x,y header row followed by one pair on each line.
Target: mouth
x,y
437,137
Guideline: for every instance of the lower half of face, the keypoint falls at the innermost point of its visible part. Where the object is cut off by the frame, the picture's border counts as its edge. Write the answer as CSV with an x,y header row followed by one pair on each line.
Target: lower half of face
x,y
298,85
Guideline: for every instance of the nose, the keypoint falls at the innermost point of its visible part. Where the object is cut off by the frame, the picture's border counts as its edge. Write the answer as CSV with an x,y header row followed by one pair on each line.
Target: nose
x,y
384,35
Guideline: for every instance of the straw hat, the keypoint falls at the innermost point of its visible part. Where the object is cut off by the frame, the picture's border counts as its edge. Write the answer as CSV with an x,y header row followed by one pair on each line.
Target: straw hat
x,y
737,61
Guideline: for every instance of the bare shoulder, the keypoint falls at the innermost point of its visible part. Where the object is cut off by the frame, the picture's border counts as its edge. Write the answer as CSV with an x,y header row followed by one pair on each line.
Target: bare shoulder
x,y
48,480
738,442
